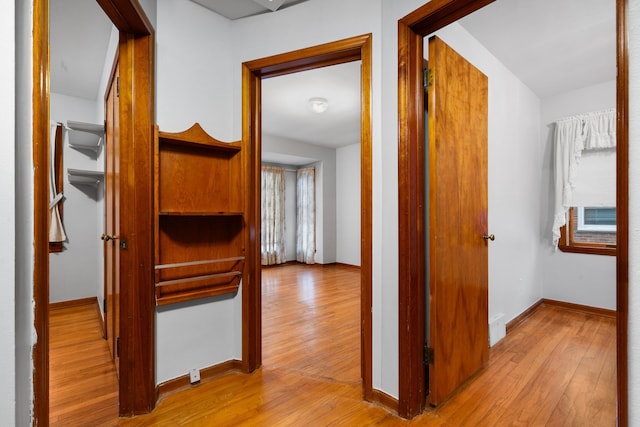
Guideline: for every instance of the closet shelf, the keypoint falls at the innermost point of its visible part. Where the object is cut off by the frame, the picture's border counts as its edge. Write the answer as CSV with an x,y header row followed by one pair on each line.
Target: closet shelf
x,y
85,177
85,136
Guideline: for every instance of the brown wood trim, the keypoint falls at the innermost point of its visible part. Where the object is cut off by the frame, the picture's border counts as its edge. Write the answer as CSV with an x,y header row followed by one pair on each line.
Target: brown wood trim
x,y
579,307
333,53
40,102
622,211
383,399
438,13
411,213
511,324
183,382
137,348
252,277
128,16
566,243
355,48
366,218
73,303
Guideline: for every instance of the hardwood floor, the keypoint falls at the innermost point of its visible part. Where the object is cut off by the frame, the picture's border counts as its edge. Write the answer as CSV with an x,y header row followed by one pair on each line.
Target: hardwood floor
x,y
83,388
556,368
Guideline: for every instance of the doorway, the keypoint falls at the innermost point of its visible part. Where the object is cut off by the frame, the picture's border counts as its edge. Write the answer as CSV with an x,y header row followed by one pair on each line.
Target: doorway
x,y
357,48
137,382
314,153
412,29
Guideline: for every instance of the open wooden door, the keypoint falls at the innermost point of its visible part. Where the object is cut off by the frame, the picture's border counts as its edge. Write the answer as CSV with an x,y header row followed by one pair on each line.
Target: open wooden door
x,y
112,220
458,269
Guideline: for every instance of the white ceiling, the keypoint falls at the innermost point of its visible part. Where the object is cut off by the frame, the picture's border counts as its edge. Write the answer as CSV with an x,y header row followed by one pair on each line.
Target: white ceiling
x,y
570,47
79,34
286,112
553,46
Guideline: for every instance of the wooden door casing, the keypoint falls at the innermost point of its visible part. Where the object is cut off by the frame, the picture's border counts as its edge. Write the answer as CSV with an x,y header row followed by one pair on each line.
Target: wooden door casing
x,y
458,253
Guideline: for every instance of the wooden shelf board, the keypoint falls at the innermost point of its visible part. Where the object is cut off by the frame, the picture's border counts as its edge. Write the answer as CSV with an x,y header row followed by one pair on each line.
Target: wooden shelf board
x,y
182,213
180,290
207,261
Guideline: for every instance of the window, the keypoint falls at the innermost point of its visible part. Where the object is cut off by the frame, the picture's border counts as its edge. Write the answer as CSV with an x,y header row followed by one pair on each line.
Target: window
x,y
597,219
589,230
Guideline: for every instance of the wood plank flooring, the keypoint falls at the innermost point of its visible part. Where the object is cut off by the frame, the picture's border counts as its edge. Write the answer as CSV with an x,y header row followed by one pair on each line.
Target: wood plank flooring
x,y
556,368
83,388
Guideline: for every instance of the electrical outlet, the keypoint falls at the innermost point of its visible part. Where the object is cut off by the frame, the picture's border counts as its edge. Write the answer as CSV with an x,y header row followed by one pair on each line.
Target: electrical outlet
x,y
194,376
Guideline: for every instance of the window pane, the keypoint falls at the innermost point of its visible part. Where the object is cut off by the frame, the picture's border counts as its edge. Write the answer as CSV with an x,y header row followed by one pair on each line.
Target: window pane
x,y
600,216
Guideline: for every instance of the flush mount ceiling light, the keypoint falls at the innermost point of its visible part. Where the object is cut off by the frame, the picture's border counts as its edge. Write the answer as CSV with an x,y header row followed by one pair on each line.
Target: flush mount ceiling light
x,y
272,5
318,105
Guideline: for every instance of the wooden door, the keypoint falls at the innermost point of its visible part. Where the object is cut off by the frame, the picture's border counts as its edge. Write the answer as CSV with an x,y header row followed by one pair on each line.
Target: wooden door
x,y
112,221
458,276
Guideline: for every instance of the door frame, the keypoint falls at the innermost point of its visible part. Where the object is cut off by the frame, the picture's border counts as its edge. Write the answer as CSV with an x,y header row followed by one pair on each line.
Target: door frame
x,y
339,52
411,30
137,393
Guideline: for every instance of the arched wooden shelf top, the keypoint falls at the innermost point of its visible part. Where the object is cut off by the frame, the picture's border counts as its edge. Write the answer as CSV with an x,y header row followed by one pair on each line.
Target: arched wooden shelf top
x,y
195,136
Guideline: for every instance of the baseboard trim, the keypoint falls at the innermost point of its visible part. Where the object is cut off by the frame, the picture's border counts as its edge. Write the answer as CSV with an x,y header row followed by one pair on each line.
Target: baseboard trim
x,y
383,399
342,264
73,303
207,374
560,304
581,308
522,316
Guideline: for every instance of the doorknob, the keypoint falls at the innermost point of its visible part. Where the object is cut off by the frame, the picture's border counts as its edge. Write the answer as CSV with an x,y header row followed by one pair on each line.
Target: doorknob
x,y
107,237
489,237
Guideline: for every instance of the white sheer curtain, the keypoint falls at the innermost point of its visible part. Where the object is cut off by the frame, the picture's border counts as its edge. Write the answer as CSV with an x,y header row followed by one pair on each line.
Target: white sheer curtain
x,y
573,135
272,238
306,208
56,229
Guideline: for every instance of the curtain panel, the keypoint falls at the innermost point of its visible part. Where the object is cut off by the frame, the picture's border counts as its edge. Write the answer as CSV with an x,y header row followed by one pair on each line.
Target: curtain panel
x,y
573,135
306,209
272,236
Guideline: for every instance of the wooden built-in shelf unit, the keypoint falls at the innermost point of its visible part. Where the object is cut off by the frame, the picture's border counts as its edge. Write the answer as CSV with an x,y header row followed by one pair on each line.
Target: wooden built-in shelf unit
x,y
199,216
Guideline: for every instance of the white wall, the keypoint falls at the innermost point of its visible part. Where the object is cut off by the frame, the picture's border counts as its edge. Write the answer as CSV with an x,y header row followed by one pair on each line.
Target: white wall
x,y
193,84
578,278
634,213
514,170
348,204
25,336
193,80
7,215
73,272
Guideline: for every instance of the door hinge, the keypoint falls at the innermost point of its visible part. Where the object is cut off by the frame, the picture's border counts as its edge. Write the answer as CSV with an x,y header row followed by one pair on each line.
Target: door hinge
x,y
118,347
118,86
427,77
428,355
